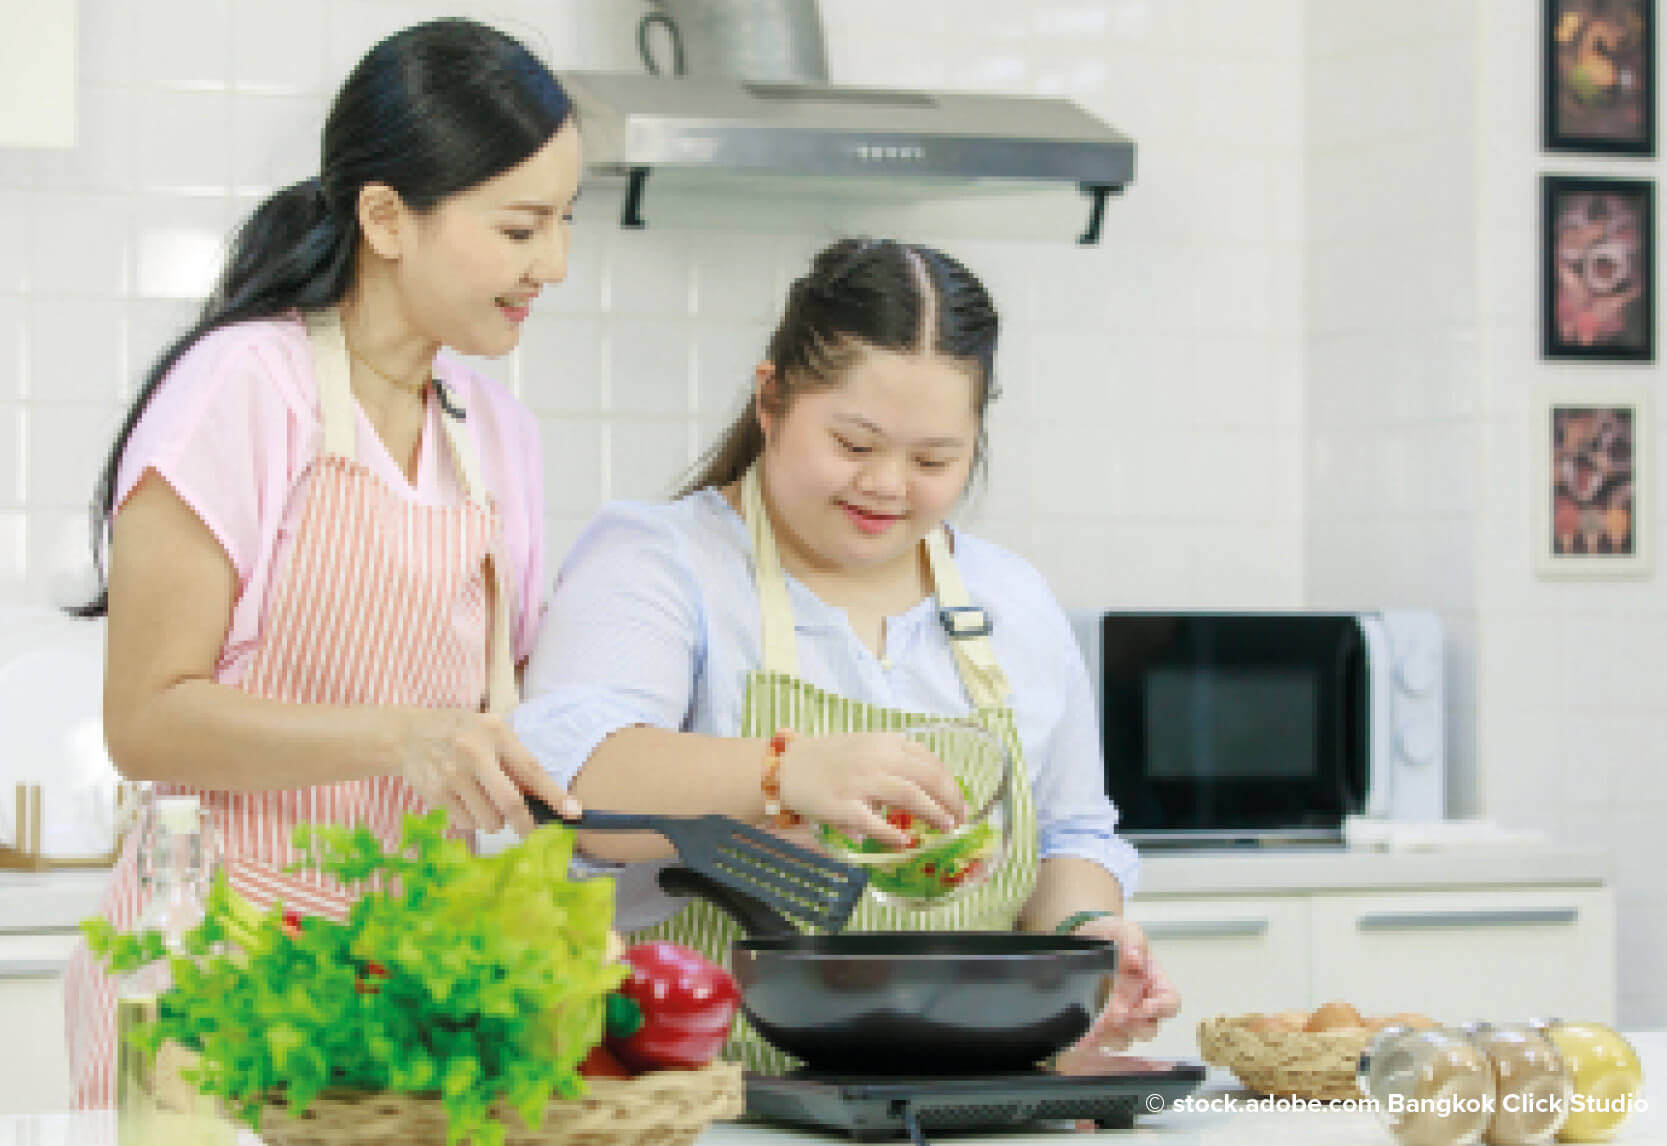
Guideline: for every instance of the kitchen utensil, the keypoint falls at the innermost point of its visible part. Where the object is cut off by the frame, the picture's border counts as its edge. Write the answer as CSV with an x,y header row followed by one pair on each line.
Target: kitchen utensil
x,y
943,866
911,1002
770,41
805,886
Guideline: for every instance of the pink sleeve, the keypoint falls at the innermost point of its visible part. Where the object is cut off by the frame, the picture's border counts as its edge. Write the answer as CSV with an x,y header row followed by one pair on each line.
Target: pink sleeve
x,y
218,430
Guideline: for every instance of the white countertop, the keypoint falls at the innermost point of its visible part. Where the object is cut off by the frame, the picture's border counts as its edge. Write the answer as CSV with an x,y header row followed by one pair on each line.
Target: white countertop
x,y
1213,1126
1249,871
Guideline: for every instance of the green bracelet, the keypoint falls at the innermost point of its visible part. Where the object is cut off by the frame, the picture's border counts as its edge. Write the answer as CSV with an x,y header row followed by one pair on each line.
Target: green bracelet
x,y
1077,918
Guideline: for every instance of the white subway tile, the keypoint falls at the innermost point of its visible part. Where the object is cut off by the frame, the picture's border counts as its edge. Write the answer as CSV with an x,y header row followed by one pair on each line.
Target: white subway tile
x,y
187,44
152,326
12,348
734,277
572,464
275,140
60,564
14,557
561,361
649,367
14,426
646,459
725,358
76,352
102,158
67,445
16,223
649,273
78,245
104,30
277,47
182,141
179,245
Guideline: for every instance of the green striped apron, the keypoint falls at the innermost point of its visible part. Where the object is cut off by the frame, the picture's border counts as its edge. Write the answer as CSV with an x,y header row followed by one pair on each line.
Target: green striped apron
x,y
776,698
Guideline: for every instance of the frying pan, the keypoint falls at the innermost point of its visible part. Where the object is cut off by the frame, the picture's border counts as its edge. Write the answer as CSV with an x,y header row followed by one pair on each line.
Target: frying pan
x,y
907,1002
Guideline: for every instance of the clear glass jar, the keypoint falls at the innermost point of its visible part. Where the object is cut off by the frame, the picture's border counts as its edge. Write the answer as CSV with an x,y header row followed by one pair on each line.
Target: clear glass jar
x,y
1605,1073
1432,1086
155,1105
1531,1082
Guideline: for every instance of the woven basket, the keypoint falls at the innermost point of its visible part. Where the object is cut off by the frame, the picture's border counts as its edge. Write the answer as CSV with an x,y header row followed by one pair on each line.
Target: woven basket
x,y
1298,1064
659,1108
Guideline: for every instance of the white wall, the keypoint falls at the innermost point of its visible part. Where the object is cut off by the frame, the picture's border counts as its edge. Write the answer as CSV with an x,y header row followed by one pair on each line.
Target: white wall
x,y
1147,449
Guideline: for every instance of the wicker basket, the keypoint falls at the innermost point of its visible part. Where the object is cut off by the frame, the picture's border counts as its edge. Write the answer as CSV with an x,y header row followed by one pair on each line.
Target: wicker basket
x,y
1298,1064
659,1108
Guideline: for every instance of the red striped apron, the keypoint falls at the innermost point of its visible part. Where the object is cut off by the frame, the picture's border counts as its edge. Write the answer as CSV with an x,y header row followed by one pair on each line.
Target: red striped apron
x,y
380,601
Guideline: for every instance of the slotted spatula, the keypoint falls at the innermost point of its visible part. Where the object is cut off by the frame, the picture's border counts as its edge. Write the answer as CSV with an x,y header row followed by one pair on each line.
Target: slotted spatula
x,y
804,886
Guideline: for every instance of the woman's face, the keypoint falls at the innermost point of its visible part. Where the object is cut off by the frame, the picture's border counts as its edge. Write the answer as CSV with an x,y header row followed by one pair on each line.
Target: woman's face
x,y
860,472
476,262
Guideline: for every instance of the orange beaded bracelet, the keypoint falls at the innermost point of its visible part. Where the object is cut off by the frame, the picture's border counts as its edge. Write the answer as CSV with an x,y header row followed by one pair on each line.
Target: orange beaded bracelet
x,y
775,815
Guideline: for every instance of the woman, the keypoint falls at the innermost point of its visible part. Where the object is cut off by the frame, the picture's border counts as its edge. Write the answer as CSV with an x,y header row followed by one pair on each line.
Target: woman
x,y
665,680
326,536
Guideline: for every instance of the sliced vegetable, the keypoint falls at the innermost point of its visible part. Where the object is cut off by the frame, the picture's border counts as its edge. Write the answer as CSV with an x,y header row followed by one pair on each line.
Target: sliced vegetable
x,y
674,1010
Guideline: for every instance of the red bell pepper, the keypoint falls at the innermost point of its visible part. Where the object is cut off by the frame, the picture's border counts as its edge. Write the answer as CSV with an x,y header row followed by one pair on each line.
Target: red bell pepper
x,y
673,1012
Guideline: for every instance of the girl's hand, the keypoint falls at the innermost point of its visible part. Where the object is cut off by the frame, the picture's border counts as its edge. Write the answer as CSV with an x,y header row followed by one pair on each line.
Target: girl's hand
x,y
844,780
472,765
1141,997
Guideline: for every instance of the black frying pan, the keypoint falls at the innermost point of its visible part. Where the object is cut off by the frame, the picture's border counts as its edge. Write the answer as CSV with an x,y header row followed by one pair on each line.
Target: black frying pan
x,y
908,1002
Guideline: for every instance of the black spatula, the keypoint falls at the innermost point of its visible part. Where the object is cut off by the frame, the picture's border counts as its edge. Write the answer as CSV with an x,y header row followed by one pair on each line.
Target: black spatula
x,y
806,887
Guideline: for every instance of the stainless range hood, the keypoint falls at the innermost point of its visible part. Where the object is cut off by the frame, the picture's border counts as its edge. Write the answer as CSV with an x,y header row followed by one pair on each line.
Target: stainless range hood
x,y
635,124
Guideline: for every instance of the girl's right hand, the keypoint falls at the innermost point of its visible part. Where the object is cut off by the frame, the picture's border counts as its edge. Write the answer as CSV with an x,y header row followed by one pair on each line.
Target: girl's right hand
x,y
844,780
472,765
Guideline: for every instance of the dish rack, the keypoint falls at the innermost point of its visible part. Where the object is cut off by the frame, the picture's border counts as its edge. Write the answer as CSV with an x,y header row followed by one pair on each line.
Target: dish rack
x,y
25,853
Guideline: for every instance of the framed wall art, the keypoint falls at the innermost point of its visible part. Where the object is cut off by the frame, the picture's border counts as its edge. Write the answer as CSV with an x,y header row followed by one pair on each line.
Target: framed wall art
x,y
1598,268
1600,76
1592,482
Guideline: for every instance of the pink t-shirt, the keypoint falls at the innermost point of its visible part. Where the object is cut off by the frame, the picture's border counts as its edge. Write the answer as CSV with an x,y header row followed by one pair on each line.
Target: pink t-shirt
x,y
236,423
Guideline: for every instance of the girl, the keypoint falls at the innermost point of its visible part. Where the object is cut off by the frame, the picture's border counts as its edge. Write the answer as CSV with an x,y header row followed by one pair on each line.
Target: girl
x,y
806,582
325,535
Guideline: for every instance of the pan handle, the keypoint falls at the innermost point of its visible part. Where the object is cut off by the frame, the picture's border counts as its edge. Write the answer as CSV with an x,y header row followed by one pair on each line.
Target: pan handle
x,y
755,917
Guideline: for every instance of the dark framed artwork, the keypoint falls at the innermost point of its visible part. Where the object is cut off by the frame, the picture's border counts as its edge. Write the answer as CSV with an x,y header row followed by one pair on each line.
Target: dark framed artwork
x,y
1593,481
1600,76
1598,268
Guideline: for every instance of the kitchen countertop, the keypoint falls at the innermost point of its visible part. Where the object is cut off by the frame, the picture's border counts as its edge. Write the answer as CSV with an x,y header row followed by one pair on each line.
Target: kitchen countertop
x,y
1214,1125
1246,871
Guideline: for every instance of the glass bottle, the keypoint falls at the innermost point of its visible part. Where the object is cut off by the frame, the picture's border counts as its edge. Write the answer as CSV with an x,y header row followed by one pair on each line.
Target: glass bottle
x,y
1431,1087
155,1106
1606,1076
1531,1082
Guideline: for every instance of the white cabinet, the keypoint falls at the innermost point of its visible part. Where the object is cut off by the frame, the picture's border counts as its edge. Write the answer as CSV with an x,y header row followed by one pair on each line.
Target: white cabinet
x,y
1461,955
1455,953
34,1070
1227,955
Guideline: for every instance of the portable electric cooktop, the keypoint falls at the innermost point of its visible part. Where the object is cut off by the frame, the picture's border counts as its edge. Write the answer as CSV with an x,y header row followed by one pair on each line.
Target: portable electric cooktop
x,y
876,1107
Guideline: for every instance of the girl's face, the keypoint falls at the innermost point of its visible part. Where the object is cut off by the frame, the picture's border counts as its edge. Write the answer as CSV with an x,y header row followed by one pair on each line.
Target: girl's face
x,y
473,265
859,473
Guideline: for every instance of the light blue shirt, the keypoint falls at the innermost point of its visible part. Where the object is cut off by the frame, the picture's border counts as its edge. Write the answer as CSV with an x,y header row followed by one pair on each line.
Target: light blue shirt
x,y
655,621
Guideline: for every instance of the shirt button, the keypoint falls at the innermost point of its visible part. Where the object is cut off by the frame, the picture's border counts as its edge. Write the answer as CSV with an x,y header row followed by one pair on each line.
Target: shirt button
x,y
885,663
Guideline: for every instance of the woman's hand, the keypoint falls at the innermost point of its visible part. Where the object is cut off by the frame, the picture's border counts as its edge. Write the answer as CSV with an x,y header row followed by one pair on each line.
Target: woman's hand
x,y
1141,997
844,780
472,765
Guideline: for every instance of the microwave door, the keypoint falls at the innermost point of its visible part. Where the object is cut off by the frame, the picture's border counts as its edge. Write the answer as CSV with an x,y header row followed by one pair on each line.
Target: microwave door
x,y
1225,725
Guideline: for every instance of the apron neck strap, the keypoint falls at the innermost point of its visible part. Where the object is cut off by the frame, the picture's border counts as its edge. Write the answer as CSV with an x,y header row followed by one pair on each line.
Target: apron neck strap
x,y
335,397
985,683
328,340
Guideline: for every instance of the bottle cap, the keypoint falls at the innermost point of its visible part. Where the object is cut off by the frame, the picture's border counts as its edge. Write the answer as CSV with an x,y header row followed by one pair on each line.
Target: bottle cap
x,y
179,814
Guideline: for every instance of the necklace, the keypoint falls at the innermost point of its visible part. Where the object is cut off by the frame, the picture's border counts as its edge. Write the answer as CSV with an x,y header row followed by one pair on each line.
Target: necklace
x,y
415,388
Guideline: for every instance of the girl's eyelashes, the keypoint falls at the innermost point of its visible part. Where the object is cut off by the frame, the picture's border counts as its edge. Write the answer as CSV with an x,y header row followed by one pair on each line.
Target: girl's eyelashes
x,y
519,234
932,463
851,447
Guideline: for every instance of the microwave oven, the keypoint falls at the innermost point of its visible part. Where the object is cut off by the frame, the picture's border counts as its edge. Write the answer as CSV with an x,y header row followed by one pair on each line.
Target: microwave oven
x,y
1267,727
